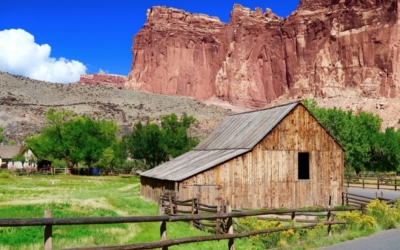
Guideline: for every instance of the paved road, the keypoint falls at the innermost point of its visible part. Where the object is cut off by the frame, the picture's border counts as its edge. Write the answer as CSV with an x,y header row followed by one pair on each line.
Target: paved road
x,y
384,240
390,194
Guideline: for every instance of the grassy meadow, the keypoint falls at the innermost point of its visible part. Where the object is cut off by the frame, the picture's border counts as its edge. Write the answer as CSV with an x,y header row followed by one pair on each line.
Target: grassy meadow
x,y
81,196
105,196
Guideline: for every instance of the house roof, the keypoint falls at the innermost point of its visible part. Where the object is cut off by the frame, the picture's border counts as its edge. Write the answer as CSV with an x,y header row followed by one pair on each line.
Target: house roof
x,y
8,152
236,135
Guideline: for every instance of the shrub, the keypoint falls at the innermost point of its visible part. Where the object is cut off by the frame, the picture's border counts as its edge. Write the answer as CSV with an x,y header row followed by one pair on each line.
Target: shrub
x,y
268,239
288,237
387,217
357,221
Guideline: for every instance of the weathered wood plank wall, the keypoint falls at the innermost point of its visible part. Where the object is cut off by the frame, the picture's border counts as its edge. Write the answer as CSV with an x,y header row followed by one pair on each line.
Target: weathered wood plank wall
x,y
152,189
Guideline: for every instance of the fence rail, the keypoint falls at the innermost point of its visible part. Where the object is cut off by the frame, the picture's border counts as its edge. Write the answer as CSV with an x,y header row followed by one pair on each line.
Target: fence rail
x,y
360,200
381,182
48,223
219,218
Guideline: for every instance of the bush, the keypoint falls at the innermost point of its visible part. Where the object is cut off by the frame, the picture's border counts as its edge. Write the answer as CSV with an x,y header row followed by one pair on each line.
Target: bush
x,y
387,217
269,239
356,221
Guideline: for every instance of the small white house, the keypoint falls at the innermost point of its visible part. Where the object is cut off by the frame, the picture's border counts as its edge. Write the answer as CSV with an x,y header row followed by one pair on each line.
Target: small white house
x,y
8,152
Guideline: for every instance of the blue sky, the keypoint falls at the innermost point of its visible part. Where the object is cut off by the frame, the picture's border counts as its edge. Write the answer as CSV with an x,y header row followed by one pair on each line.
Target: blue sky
x,y
95,35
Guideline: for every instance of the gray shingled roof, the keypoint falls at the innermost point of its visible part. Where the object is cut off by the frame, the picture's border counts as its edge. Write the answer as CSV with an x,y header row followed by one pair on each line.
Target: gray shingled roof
x,y
8,152
236,135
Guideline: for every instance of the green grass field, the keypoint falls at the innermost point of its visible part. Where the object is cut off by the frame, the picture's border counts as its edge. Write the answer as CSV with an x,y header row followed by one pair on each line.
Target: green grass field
x,y
105,196
79,196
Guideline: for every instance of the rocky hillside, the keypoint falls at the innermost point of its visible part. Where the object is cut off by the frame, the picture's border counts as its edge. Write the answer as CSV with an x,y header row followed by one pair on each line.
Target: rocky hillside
x,y
24,101
324,49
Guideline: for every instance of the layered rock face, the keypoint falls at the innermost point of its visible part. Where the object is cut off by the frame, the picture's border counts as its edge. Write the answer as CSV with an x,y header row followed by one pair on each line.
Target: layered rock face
x,y
325,48
346,48
102,78
177,53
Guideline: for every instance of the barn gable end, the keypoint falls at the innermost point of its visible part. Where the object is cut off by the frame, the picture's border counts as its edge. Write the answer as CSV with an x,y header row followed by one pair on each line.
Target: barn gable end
x,y
267,174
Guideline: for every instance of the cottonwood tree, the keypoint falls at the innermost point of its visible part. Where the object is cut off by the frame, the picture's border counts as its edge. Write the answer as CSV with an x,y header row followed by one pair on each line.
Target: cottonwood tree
x,y
175,133
366,147
385,151
73,138
147,143
53,139
154,144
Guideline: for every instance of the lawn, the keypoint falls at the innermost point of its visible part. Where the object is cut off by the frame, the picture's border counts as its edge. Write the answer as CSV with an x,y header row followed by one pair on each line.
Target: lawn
x,y
80,196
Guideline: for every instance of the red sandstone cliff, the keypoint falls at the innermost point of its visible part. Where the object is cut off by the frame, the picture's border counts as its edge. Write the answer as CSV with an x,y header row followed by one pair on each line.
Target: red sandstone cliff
x,y
325,48
102,78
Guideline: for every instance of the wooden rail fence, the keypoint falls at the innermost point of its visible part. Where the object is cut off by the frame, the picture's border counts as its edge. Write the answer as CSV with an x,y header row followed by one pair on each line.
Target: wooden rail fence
x,y
172,206
359,200
381,182
164,243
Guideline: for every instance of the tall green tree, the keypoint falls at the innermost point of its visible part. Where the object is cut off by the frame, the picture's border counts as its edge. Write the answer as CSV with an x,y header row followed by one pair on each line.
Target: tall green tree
x,y
357,133
89,138
73,138
147,143
154,144
175,133
385,151
53,140
115,155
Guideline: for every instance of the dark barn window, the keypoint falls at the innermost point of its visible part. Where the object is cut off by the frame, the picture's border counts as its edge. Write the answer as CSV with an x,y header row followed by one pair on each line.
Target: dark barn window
x,y
304,166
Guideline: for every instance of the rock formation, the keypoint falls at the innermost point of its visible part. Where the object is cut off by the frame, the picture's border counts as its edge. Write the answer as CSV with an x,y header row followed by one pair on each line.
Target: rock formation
x,y
325,48
102,78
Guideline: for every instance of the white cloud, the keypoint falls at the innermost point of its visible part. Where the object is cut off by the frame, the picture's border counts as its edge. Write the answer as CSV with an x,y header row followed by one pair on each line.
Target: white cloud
x,y
20,55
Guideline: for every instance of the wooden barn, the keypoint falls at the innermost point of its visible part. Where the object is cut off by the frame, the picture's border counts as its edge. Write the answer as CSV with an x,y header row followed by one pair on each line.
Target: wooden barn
x,y
271,158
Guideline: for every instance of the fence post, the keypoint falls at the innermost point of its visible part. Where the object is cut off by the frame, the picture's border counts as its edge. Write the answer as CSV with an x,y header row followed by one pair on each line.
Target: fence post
x,y
363,209
171,206
196,210
377,181
218,221
231,245
342,198
363,181
191,222
329,218
294,218
48,244
163,226
332,218
175,205
395,183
